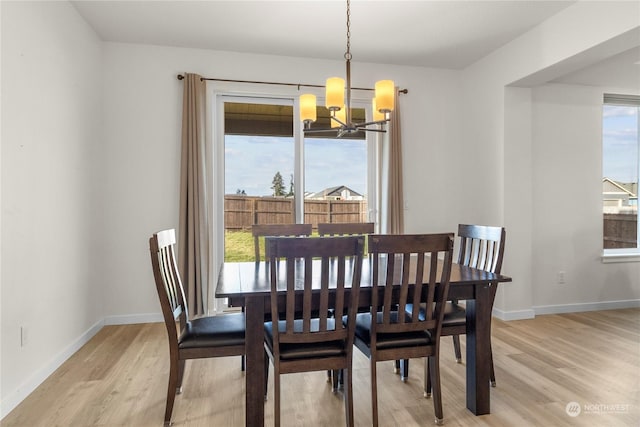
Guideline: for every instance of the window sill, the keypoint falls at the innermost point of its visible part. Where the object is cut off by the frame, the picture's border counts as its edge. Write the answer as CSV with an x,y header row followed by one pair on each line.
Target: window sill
x,y
628,255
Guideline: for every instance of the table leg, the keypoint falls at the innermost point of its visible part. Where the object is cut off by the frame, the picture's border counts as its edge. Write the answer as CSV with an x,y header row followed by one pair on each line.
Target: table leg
x,y
478,348
255,372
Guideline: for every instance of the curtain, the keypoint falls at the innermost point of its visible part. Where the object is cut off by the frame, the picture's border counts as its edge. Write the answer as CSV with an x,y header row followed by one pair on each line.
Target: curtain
x,y
392,200
193,237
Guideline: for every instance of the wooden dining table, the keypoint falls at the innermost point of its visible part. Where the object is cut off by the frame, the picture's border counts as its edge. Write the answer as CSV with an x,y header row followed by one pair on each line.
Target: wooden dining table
x,y
247,284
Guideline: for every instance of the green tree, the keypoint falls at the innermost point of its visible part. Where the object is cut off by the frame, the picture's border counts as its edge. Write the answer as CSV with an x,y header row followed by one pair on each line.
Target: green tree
x,y
291,187
278,185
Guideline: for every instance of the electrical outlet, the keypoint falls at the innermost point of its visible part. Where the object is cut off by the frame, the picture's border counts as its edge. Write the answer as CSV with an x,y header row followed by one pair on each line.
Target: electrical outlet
x,y
562,277
24,336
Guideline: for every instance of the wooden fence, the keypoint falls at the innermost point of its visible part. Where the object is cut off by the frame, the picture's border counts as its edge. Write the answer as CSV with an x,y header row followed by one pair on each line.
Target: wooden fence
x,y
620,231
241,212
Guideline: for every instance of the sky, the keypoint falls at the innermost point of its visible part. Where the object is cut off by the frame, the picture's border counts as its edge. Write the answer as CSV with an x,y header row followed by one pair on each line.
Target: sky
x,y
620,143
251,163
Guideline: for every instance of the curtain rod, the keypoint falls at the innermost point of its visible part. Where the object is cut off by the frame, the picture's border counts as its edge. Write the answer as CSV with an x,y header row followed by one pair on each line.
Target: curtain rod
x,y
298,85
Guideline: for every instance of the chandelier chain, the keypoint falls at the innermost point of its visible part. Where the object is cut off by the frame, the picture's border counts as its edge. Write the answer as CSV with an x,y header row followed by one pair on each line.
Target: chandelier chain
x,y
347,54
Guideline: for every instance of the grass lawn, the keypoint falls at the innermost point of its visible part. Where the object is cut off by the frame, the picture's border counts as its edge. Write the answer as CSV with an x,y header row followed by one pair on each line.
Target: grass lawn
x,y
238,246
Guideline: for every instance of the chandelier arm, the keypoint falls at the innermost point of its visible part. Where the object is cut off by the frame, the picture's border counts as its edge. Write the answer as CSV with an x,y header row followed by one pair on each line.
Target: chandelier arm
x,y
377,122
339,121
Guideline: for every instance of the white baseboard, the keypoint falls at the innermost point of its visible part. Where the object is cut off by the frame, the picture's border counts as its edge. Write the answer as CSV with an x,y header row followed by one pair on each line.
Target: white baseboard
x,y
130,319
578,307
14,398
513,315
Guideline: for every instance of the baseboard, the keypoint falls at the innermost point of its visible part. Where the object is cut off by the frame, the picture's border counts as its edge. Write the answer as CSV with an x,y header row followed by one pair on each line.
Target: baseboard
x,y
513,315
130,319
14,398
578,307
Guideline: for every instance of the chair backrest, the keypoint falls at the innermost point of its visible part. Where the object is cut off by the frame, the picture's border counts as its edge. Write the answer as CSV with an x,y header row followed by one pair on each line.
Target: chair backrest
x,y
264,230
345,228
168,283
408,265
481,247
311,267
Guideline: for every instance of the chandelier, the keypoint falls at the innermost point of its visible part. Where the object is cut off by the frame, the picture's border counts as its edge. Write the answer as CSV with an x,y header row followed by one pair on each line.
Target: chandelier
x,y
339,105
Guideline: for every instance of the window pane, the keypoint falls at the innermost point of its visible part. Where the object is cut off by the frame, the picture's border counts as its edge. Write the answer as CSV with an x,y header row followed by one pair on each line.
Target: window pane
x,y
336,178
621,166
258,170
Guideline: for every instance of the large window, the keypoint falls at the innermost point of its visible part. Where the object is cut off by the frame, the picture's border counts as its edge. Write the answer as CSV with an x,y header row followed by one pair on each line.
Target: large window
x,y
621,168
273,174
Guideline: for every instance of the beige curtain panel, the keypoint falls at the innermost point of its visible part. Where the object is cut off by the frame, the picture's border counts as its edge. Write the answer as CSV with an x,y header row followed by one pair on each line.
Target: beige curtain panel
x,y
395,206
193,238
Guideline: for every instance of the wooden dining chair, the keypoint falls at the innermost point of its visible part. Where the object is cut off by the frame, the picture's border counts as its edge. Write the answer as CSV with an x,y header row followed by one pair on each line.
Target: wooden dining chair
x,y
322,273
213,336
260,231
345,228
481,247
387,333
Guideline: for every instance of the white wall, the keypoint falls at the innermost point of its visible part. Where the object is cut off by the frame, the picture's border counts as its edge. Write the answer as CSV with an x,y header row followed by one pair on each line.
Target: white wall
x,y
567,202
51,136
143,102
500,157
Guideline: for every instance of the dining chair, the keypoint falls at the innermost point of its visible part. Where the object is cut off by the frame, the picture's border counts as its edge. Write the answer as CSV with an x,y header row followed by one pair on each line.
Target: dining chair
x,y
344,229
388,331
481,247
325,272
260,231
204,337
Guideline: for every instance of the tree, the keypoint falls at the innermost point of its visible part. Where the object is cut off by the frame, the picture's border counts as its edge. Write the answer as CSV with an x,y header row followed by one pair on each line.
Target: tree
x,y
291,187
240,192
278,185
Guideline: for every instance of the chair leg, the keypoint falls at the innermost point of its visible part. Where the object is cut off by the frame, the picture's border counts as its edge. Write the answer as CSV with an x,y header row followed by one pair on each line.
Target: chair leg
x,y
374,394
348,394
267,362
396,368
276,397
427,379
456,348
404,370
493,373
434,367
335,375
181,365
174,370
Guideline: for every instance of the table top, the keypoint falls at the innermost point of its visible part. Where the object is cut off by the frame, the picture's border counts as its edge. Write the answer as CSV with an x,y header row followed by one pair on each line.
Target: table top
x,y
252,278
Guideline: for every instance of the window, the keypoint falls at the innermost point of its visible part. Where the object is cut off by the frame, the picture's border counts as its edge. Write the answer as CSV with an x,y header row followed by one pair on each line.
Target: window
x,y
621,168
273,174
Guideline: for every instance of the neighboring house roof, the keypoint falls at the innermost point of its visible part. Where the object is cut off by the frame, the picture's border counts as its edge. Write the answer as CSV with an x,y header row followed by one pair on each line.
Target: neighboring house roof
x,y
333,191
610,186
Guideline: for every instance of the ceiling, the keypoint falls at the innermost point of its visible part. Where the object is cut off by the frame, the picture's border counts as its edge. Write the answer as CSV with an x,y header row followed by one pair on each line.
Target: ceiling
x,y
449,34
443,34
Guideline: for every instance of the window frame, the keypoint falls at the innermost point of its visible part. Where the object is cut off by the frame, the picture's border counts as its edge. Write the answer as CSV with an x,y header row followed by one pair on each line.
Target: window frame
x,y
614,255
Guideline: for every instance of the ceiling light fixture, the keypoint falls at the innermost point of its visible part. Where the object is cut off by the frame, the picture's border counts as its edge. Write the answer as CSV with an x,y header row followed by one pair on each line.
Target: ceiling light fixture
x,y
340,109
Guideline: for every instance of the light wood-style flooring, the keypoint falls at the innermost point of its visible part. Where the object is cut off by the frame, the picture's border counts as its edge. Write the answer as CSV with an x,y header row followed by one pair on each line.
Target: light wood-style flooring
x,y
119,379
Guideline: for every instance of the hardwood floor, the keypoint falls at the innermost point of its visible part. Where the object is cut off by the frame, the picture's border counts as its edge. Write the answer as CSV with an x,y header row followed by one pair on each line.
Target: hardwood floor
x,y
119,379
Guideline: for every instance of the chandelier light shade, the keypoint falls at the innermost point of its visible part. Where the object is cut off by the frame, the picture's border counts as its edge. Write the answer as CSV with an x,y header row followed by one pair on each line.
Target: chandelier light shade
x,y
334,99
377,115
340,118
308,108
338,100
384,95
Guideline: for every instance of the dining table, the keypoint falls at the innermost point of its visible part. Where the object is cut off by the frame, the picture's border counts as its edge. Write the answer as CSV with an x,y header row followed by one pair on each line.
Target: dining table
x,y
247,285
